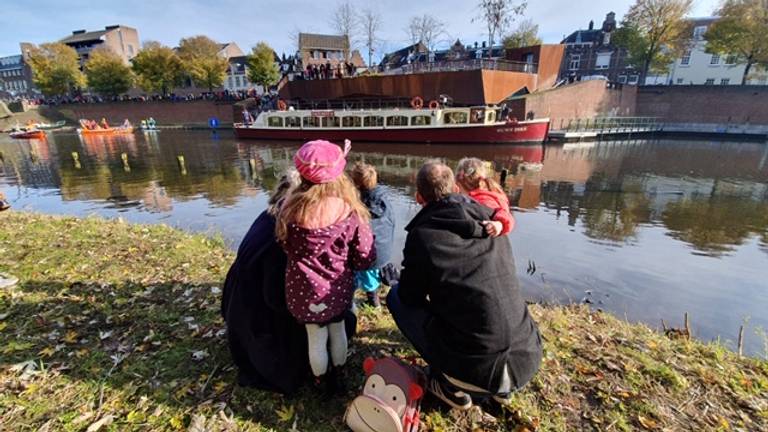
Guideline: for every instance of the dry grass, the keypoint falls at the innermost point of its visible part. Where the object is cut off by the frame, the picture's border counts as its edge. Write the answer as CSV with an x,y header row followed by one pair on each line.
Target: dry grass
x,y
102,328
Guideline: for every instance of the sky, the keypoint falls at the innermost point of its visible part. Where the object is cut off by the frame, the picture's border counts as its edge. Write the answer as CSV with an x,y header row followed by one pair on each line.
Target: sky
x,y
248,22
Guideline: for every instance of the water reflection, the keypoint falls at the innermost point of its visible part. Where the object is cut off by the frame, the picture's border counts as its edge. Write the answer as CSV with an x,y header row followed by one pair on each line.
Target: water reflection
x,y
650,224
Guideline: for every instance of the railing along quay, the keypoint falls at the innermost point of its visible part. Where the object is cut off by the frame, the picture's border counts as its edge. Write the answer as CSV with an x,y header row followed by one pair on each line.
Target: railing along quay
x,y
603,126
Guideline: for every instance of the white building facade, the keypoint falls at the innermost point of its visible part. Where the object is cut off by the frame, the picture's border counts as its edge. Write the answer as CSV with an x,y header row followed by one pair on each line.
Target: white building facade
x,y
697,67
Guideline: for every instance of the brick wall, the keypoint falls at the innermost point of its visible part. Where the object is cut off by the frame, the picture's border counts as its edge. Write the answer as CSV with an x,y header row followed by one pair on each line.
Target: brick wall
x,y
581,100
704,104
164,112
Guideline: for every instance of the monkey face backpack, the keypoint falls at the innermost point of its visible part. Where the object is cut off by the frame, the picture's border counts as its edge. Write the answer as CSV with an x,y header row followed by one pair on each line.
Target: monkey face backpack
x,y
391,398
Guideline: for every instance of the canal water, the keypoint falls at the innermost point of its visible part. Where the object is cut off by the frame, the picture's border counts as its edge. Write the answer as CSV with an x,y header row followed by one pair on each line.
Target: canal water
x,y
646,229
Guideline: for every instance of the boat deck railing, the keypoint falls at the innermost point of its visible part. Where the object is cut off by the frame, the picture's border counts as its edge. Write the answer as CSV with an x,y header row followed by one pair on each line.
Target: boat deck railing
x,y
351,104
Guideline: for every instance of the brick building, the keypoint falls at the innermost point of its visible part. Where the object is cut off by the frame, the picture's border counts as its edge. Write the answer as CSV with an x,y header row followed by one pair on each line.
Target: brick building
x,y
122,40
590,53
16,75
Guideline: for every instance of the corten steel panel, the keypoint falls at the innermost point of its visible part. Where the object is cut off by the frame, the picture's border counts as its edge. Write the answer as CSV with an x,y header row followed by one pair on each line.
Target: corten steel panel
x,y
548,59
465,87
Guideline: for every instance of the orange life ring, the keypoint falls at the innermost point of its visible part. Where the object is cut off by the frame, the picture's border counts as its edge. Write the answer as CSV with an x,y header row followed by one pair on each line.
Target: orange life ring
x,y
417,102
433,104
281,105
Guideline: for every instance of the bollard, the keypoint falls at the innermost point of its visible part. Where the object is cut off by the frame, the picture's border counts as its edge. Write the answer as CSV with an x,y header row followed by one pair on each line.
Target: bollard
x,y
126,166
76,158
182,165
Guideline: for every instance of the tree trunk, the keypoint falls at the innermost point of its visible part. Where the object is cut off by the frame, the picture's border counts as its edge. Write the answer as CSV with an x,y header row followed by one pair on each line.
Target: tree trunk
x,y
746,72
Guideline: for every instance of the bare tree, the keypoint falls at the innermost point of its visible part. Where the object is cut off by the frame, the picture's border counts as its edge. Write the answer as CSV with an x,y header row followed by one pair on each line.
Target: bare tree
x,y
497,16
425,29
370,24
344,22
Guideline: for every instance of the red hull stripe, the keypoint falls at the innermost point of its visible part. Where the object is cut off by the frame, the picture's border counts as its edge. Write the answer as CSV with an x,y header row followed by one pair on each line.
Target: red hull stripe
x,y
500,134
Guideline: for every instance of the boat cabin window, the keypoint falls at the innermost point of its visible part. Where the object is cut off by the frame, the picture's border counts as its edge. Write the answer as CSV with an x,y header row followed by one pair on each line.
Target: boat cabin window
x,y
370,121
490,117
311,121
352,121
293,121
275,121
476,115
333,122
456,117
421,120
397,120
498,115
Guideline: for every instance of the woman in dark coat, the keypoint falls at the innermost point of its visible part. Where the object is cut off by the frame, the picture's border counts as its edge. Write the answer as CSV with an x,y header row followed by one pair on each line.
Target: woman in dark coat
x,y
267,344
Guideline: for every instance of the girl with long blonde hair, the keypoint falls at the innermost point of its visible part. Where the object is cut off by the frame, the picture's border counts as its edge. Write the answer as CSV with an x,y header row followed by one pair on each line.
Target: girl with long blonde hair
x,y
474,179
323,228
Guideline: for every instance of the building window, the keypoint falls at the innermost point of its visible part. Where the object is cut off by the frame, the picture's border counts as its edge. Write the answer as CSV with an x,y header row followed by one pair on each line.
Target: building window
x,y
715,59
725,81
575,62
730,59
679,80
698,32
633,79
709,81
603,61
686,59
229,82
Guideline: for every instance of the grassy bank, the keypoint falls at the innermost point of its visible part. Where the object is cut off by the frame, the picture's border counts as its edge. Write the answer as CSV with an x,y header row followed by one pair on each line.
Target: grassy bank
x,y
117,325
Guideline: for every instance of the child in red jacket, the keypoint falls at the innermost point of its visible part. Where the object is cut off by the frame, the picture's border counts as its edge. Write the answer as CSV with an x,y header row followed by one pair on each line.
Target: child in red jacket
x,y
473,179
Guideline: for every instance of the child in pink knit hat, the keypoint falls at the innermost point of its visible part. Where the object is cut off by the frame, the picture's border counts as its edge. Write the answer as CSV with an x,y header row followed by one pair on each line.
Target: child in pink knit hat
x,y
324,230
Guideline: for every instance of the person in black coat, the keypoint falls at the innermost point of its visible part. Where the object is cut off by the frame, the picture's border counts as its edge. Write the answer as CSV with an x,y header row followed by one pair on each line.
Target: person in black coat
x,y
458,300
267,344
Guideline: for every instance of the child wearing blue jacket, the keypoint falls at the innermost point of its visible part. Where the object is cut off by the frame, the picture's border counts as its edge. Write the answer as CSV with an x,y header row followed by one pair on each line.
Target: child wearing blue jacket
x,y
373,196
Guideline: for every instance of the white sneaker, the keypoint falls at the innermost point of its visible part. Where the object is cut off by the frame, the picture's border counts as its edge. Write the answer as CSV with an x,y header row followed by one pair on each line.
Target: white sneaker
x,y
7,281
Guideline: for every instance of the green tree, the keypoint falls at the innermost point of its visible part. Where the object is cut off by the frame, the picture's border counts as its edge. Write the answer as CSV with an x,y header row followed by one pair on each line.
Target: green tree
x,y
525,34
655,33
157,68
107,74
497,16
742,32
55,69
201,59
262,69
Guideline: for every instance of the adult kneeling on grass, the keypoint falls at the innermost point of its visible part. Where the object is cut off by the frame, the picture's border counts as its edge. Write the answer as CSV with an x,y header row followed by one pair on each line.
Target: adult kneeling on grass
x,y
267,344
458,300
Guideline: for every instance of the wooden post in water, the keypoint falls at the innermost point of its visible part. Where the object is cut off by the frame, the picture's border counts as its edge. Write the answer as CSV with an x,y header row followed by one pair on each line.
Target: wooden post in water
x,y
687,326
252,163
126,165
182,165
76,158
741,340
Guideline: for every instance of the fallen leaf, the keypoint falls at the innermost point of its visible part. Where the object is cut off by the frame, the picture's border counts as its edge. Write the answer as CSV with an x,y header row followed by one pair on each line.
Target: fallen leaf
x,y
104,421
285,414
647,423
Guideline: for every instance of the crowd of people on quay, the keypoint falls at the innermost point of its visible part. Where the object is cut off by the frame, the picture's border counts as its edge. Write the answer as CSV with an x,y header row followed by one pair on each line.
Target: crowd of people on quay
x,y
288,299
329,71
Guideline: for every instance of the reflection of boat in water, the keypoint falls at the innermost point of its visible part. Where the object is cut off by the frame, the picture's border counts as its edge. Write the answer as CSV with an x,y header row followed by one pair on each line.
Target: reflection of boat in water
x,y
51,126
90,127
28,134
465,125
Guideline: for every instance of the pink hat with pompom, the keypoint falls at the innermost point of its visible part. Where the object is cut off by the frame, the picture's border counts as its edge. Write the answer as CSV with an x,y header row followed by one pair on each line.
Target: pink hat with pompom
x,y
321,161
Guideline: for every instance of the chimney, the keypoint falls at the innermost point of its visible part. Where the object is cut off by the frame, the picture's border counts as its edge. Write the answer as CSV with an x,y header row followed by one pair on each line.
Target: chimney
x,y
591,25
483,44
78,32
609,24
475,44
